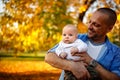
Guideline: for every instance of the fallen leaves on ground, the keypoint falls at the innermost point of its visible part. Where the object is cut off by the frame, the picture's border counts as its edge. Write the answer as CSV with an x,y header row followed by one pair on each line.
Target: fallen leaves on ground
x,y
27,70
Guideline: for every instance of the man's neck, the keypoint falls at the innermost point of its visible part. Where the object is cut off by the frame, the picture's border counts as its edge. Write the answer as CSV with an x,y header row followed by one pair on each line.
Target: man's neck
x,y
97,41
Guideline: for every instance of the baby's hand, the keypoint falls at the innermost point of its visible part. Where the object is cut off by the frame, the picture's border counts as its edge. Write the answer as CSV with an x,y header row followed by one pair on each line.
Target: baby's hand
x,y
74,50
63,55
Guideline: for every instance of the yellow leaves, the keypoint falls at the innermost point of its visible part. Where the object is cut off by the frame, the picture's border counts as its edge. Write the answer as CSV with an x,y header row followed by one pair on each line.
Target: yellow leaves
x,y
110,35
117,1
27,5
31,15
82,8
28,70
38,10
82,28
118,17
30,41
26,66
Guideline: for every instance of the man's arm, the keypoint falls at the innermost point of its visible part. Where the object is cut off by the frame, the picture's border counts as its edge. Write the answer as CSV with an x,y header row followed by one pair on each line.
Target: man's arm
x,y
55,61
104,74
77,68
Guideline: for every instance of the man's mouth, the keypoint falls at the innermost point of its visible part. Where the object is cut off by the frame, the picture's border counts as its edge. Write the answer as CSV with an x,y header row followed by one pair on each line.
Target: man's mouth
x,y
90,31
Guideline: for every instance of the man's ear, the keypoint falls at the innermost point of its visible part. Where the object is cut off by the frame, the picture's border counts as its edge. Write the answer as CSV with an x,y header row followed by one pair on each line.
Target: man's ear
x,y
110,28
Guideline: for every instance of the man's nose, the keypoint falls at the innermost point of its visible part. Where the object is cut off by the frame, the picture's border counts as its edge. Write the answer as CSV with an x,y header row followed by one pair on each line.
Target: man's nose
x,y
90,26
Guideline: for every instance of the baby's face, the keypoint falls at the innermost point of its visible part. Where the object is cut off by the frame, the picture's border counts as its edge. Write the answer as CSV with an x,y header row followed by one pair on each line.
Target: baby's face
x,y
69,35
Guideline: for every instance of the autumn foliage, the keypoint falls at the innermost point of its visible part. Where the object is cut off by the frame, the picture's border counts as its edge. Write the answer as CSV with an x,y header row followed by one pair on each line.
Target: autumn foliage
x,y
32,25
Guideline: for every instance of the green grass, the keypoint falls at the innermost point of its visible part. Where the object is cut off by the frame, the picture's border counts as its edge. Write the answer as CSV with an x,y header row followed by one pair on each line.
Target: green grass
x,y
23,56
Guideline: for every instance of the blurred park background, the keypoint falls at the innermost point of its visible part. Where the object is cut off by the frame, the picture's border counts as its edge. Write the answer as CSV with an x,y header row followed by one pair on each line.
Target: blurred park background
x,y
28,28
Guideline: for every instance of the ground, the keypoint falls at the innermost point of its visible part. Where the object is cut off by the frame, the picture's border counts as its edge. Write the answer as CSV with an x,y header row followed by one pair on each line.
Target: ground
x,y
27,70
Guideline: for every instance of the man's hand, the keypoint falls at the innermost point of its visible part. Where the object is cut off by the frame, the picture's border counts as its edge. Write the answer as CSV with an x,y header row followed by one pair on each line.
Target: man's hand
x,y
84,57
74,50
79,70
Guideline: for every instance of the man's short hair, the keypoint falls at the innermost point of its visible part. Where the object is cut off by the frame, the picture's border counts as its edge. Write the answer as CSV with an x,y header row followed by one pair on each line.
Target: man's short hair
x,y
112,17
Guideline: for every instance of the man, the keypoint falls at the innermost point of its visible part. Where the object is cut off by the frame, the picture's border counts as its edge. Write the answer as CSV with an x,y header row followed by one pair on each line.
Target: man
x,y
102,55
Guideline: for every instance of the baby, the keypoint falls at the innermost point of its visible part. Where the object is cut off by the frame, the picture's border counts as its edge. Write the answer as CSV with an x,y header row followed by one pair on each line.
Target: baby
x,y
70,45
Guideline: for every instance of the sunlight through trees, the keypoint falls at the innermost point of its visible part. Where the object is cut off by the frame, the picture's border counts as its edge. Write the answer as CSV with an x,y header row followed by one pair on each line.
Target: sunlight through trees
x,y
33,25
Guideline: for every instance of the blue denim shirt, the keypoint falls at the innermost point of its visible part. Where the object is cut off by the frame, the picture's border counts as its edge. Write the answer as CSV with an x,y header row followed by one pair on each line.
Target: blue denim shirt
x,y
110,59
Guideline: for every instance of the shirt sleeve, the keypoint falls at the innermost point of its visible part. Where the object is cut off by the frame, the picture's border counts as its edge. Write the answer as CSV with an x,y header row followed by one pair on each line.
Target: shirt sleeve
x,y
52,50
115,68
58,50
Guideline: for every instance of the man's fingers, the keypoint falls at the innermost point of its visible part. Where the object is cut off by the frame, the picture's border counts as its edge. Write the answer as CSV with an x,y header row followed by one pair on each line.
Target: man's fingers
x,y
88,75
82,58
81,55
74,53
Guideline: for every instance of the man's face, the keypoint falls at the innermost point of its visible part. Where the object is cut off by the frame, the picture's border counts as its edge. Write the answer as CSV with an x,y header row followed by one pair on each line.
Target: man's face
x,y
97,27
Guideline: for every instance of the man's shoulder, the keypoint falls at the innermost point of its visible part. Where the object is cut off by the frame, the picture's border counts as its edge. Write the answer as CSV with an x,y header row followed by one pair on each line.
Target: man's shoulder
x,y
82,37
113,47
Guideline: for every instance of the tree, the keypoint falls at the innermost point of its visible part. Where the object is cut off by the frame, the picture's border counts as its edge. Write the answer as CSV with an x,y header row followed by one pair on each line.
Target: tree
x,y
31,25
28,24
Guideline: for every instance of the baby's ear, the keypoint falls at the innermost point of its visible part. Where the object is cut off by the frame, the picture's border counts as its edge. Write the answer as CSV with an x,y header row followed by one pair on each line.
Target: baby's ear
x,y
77,36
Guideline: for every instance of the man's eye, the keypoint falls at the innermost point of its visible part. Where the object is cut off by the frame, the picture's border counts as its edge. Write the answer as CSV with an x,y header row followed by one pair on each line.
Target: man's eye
x,y
89,21
94,23
97,25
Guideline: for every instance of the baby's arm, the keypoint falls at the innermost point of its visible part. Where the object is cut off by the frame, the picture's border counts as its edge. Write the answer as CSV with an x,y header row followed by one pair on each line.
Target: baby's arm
x,y
60,52
80,47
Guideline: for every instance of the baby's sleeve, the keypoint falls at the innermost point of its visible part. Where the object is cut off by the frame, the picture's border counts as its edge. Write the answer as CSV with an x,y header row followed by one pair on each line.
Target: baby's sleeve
x,y
82,46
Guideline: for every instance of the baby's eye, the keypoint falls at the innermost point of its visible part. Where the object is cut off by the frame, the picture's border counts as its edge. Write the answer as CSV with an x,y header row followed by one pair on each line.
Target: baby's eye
x,y
70,35
64,34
